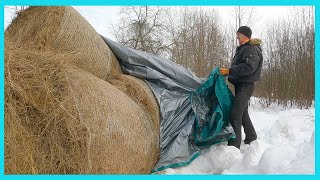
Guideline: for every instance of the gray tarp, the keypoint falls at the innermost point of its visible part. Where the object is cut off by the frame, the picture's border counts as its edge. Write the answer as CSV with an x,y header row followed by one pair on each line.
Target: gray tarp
x,y
193,111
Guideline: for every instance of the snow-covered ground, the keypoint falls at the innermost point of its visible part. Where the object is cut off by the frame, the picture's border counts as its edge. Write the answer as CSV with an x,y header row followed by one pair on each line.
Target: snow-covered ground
x,y
285,145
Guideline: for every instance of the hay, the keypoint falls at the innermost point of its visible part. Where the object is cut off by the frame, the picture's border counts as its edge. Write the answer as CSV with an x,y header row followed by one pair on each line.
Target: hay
x,y
35,129
124,131
61,114
63,30
61,119
140,92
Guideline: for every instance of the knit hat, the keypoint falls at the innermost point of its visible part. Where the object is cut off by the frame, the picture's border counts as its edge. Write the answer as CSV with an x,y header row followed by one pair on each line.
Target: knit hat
x,y
245,30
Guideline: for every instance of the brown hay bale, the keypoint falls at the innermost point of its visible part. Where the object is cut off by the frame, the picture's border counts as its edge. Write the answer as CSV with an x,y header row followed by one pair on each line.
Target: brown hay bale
x,y
63,30
129,142
36,136
62,119
140,92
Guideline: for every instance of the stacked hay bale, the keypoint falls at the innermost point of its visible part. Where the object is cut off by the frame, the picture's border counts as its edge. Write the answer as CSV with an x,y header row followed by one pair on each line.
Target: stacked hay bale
x,y
68,107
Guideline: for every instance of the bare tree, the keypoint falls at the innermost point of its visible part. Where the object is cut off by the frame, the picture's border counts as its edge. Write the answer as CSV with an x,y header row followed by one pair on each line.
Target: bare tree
x,y
16,9
288,77
197,42
143,28
239,16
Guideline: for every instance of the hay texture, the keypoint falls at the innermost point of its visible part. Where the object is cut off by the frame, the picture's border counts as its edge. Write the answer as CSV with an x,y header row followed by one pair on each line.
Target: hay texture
x,y
68,107
63,30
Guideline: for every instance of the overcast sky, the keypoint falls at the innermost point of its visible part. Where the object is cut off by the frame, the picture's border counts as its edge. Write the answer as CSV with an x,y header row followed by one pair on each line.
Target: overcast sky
x,y
101,17
107,15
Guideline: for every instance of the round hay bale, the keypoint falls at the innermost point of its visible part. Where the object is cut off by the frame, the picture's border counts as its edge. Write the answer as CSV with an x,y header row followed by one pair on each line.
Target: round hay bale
x,y
61,119
123,138
63,30
140,92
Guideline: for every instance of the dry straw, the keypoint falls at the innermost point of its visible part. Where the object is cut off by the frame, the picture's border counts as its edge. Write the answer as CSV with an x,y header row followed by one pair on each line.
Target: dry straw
x,y
68,107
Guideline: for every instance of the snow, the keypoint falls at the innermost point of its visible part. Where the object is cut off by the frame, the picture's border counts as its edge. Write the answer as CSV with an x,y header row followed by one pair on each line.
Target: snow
x,y
285,145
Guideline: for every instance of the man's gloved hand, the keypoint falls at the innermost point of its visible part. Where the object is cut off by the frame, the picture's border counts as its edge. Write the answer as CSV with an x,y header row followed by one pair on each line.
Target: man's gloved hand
x,y
224,71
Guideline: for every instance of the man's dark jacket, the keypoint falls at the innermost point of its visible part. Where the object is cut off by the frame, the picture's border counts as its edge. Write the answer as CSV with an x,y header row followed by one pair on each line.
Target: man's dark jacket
x,y
247,63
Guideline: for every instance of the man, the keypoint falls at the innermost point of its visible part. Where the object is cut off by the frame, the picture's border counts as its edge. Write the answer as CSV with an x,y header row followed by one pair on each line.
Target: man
x,y
244,71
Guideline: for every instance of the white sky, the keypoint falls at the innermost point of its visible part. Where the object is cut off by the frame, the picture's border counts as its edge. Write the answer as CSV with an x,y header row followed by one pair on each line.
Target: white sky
x,y
106,15
101,17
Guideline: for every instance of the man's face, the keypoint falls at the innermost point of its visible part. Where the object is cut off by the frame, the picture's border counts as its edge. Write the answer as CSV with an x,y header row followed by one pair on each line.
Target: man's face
x,y
241,38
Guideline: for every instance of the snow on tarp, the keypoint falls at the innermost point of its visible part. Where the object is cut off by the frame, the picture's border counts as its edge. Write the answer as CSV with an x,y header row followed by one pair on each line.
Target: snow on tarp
x,y
193,112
